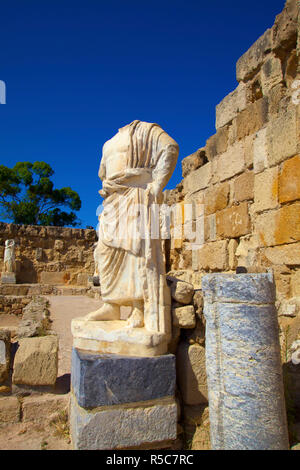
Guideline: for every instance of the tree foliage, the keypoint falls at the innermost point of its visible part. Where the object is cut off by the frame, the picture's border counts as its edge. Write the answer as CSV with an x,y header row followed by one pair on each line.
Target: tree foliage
x,y
27,196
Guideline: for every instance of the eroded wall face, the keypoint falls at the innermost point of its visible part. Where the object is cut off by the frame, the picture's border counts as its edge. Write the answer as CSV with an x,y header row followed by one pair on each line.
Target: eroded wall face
x,y
50,255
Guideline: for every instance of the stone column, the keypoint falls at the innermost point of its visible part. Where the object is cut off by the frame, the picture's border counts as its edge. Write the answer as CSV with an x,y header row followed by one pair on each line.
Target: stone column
x,y
244,373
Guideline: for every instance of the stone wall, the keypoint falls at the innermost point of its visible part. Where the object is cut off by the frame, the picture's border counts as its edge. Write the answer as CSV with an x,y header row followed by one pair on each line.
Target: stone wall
x,y
242,192
247,177
50,255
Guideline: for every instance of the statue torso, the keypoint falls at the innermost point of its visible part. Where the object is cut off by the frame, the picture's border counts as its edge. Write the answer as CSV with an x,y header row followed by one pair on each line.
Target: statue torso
x,y
115,153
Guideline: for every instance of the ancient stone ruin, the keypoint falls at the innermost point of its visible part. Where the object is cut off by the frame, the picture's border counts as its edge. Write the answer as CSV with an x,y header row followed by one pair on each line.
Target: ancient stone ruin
x,y
189,342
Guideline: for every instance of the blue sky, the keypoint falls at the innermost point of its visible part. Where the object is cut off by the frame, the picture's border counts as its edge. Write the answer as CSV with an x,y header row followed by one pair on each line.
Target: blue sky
x,y
76,71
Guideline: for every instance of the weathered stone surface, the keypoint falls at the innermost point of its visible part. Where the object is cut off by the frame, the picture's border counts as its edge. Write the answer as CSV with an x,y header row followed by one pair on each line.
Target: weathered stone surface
x,y
201,438
260,151
266,190
295,284
193,162
289,180
191,373
250,62
285,27
184,317
5,336
286,254
218,143
244,372
39,408
271,74
216,198
122,427
182,292
232,162
233,222
9,410
104,380
54,278
198,179
289,307
36,361
211,256
232,260
244,187
35,319
198,303
279,227
231,105
282,136
252,119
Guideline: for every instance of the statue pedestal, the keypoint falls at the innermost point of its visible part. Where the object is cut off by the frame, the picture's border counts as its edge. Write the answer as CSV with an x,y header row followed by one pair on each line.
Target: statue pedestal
x,y
106,337
122,402
8,278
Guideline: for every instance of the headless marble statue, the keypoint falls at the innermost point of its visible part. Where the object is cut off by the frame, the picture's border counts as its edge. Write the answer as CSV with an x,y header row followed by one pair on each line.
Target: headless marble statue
x,y
136,165
9,257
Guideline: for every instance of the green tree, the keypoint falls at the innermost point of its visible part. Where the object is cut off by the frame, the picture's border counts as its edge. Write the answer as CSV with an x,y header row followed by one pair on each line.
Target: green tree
x,y
27,196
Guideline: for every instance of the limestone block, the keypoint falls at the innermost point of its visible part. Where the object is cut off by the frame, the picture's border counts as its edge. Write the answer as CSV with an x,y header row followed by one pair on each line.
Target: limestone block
x,y
59,245
282,137
289,180
279,227
285,28
121,427
53,278
36,361
252,119
244,372
211,256
184,317
233,222
191,373
35,318
248,64
244,187
289,307
83,279
260,151
216,198
218,143
182,292
198,303
271,74
232,162
231,105
193,162
246,252
295,284
198,179
286,254
4,354
39,408
105,380
9,410
266,190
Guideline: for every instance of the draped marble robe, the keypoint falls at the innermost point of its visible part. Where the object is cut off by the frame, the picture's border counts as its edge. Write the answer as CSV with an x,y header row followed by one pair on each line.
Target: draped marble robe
x,y
130,261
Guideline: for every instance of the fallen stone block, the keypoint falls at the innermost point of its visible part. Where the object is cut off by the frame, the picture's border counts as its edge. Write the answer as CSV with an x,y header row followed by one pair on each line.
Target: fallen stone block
x,y
184,317
40,408
35,319
9,410
36,361
182,292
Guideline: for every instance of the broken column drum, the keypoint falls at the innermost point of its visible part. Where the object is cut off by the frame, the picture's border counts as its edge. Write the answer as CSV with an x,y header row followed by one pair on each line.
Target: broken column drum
x,y
244,373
